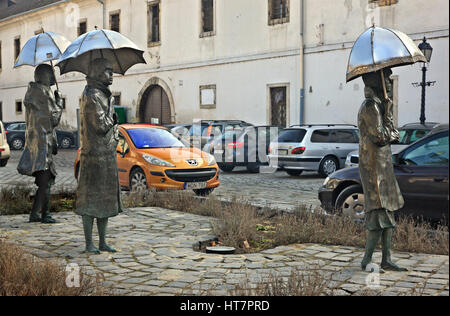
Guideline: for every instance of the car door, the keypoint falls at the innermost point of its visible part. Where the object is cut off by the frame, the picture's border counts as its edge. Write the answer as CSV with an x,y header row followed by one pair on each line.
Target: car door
x,y
123,164
422,175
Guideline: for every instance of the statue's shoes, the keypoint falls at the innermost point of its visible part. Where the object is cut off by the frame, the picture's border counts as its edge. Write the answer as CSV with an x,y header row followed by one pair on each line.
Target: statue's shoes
x,y
34,219
48,220
92,250
389,266
107,248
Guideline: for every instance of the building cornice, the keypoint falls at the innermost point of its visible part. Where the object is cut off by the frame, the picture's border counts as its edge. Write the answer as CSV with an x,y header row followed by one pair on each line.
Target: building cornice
x,y
12,17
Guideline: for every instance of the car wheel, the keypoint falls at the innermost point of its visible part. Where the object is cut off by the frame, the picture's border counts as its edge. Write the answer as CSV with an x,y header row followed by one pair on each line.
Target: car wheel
x,y
3,162
203,192
138,181
328,166
253,168
66,143
350,202
294,173
17,143
226,167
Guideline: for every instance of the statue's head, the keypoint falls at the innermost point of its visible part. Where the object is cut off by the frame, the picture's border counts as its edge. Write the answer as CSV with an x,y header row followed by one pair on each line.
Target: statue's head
x,y
44,75
373,80
101,70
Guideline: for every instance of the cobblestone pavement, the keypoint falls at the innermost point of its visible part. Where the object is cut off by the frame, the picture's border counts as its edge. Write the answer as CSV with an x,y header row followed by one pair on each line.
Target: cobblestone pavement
x,y
155,246
156,257
265,189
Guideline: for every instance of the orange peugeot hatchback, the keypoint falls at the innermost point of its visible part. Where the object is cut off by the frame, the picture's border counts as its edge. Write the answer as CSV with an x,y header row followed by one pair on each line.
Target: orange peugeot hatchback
x,y
149,156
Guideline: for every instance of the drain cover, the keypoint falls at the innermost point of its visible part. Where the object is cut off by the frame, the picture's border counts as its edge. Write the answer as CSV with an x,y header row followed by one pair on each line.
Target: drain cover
x,y
220,250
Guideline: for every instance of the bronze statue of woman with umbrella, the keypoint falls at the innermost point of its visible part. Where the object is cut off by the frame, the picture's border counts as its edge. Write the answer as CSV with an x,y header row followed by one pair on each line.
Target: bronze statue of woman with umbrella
x,y
98,54
374,53
42,115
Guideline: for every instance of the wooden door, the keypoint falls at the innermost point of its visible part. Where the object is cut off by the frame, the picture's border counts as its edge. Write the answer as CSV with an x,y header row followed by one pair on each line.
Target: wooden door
x,y
157,107
278,106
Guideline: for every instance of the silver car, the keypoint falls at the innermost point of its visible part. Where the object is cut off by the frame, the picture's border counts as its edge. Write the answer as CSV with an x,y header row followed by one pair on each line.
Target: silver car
x,y
321,148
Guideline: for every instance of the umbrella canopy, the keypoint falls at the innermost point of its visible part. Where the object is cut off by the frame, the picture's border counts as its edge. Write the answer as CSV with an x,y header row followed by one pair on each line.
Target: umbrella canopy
x,y
111,45
378,48
42,48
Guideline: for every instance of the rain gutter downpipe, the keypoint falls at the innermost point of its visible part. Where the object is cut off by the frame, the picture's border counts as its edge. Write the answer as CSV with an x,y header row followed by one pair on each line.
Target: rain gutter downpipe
x,y
104,12
302,60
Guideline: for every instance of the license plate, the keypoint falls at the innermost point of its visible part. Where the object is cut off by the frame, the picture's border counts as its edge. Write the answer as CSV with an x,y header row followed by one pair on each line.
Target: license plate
x,y
283,152
194,185
219,151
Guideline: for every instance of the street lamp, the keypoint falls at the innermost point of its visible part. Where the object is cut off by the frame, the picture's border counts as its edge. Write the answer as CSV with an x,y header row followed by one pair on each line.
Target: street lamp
x,y
427,51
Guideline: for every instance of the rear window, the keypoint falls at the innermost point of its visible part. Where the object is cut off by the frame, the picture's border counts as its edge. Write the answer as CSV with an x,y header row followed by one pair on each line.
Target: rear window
x,y
347,136
292,136
153,138
320,136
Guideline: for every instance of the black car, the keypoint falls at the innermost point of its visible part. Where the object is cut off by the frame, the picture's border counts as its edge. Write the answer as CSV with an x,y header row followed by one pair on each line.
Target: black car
x,y
421,170
247,147
15,135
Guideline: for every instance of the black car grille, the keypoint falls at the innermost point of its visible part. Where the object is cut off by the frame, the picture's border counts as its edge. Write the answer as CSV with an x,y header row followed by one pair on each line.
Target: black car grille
x,y
191,175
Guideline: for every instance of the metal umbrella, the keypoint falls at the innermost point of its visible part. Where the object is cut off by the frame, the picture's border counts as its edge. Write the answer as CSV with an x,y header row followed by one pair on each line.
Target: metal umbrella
x,y
378,48
111,45
42,48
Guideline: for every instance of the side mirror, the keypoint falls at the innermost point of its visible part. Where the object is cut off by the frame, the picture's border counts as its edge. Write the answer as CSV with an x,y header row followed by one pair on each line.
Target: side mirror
x,y
396,159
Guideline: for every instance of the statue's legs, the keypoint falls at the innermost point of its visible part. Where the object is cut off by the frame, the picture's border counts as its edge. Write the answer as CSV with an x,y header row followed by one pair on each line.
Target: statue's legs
x,y
46,217
386,261
88,222
372,240
34,215
102,224
42,198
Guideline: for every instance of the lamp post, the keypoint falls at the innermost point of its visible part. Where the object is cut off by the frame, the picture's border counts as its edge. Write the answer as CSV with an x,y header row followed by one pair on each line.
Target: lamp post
x,y
427,51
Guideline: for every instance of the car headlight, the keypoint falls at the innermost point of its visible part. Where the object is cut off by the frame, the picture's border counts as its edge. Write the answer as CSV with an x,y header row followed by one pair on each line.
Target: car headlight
x,y
211,160
156,161
326,181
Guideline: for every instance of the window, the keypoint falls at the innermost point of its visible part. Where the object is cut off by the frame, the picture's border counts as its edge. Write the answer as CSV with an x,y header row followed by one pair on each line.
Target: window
x,y
154,34
292,136
383,3
63,103
207,18
16,47
1,111
0,55
116,99
208,97
19,107
114,21
278,11
346,136
433,152
82,27
320,136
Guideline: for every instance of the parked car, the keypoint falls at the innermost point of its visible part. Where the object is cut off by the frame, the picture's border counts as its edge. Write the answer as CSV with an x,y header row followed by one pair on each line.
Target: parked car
x,y
248,147
321,148
203,132
409,133
149,156
4,147
421,170
16,136
179,130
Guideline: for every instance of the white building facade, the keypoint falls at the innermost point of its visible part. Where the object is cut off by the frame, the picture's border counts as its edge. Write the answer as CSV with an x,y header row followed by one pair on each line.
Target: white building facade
x,y
234,59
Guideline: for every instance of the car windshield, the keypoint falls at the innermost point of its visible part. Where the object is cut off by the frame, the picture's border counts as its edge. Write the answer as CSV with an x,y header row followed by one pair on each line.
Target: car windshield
x,y
153,138
292,135
409,136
